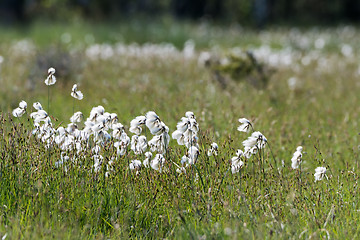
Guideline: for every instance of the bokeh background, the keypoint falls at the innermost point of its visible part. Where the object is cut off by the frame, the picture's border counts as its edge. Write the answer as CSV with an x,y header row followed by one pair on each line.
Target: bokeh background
x,y
249,12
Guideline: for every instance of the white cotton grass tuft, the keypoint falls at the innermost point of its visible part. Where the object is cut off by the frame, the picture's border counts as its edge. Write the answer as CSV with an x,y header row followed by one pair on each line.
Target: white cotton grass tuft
x,y
146,162
19,111
320,173
135,165
152,122
37,106
296,159
76,94
236,162
136,123
51,79
138,144
23,105
213,150
245,125
39,116
77,117
257,139
158,162
187,129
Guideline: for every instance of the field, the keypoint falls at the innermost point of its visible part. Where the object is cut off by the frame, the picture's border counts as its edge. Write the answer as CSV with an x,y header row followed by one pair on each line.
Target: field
x,y
302,90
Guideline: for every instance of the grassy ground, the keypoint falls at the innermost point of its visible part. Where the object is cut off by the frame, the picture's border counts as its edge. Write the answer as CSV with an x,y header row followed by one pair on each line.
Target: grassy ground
x,y
267,199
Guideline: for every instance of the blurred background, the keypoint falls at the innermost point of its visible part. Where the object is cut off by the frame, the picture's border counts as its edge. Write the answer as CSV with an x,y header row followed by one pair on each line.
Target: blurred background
x,y
224,47
256,13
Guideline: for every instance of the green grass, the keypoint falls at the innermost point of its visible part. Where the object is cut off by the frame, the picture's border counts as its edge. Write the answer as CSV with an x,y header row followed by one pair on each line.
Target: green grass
x,y
321,114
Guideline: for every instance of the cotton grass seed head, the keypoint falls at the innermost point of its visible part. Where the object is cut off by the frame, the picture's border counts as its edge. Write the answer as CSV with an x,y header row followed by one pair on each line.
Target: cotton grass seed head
x,y
19,111
76,94
213,150
77,117
296,159
37,106
51,79
245,125
320,173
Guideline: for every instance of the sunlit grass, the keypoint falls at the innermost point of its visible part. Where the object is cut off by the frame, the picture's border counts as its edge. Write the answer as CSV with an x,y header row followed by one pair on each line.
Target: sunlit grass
x,y
321,114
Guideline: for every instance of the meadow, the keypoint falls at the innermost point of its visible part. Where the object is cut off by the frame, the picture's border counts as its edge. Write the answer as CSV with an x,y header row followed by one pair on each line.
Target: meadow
x,y
80,180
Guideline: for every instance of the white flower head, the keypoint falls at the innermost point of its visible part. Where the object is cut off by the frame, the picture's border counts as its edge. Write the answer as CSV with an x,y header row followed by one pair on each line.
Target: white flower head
x,y
76,94
213,150
320,173
236,163
148,156
257,139
138,144
159,143
135,124
296,159
23,105
245,125
158,162
118,130
39,116
51,71
77,117
135,165
236,166
19,111
37,106
179,136
190,115
51,79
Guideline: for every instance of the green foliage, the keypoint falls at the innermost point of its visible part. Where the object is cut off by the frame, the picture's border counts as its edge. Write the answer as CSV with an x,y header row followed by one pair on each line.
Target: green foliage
x,y
242,67
267,199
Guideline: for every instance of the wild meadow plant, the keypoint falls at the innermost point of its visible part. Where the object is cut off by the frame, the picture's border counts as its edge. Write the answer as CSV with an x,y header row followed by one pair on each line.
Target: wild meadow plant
x,y
119,185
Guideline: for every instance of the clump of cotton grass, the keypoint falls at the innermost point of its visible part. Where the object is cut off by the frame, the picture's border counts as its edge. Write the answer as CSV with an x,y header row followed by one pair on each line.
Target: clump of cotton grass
x,y
43,128
160,141
186,134
138,144
254,145
19,111
236,162
320,173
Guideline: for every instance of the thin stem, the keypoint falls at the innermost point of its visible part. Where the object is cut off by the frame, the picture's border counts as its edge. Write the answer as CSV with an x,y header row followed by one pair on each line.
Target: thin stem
x,y
272,156
50,118
48,101
221,183
300,178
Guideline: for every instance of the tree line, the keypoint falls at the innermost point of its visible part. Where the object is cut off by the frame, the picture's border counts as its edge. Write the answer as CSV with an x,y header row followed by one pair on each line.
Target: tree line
x,y
256,12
